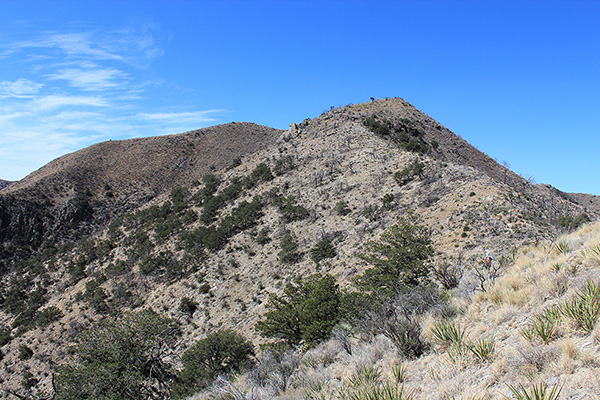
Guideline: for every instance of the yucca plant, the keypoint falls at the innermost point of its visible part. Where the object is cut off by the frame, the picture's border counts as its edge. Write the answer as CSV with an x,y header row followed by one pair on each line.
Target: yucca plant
x,y
584,307
448,333
400,373
562,247
368,376
539,392
483,349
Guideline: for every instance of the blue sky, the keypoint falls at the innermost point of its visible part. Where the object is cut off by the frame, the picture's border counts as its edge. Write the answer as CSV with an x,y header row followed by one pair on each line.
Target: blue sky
x,y
520,80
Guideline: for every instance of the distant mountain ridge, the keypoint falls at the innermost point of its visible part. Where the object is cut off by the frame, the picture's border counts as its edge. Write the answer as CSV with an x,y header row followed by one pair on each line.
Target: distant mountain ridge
x,y
78,192
4,183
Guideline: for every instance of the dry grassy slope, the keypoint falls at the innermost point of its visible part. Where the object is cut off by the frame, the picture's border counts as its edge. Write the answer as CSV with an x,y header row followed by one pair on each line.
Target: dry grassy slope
x,y
154,164
539,278
335,159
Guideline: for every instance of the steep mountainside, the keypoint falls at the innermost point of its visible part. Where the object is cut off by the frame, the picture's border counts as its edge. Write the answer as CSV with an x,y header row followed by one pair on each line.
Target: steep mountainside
x,y
79,192
225,238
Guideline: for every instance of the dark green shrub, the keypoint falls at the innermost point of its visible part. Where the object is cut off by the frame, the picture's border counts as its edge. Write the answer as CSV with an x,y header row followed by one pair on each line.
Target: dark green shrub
x,y
307,311
5,336
25,352
235,163
221,352
126,358
188,306
283,165
179,196
262,237
289,253
414,169
380,128
322,250
397,259
341,208
47,316
262,173
289,210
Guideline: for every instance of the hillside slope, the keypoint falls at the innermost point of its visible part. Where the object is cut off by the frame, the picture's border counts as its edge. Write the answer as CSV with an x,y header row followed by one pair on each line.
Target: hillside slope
x,y
80,192
227,239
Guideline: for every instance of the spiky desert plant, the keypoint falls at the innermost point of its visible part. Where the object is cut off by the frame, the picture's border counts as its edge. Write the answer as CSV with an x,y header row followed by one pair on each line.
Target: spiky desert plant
x,y
561,247
448,333
537,392
584,307
483,349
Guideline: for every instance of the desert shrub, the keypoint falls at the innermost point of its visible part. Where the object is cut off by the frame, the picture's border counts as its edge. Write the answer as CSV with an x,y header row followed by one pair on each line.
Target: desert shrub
x,y
571,223
178,197
262,237
289,253
188,306
235,163
584,307
405,333
289,210
233,190
126,358
307,311
47,316
211,184
262,173
341,208
5,336
221,352
448,333
322,250
397,259
537,392
483,349
447,274
387,200
283,165
210,208
382,128
25,353
243,217
408,173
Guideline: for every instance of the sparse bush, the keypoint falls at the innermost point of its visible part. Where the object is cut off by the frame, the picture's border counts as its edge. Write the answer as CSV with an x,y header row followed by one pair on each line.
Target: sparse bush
x,y
283,165
25,352
380,128
322,250
341,208
289,210
289,253
188,306
47,316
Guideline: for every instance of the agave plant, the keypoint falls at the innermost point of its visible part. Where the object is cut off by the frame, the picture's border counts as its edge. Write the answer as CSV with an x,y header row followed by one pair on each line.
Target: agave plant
x,y
539,392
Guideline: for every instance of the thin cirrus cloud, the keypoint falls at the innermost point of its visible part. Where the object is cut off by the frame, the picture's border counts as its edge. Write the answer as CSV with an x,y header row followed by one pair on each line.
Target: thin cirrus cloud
x,y
91,80
21,88
75,89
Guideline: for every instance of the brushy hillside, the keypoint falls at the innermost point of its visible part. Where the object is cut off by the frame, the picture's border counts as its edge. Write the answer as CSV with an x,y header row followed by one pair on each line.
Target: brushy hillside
x,y
536,326
213,250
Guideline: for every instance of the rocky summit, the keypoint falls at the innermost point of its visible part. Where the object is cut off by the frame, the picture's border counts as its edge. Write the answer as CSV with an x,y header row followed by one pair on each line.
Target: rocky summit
x,y
209,227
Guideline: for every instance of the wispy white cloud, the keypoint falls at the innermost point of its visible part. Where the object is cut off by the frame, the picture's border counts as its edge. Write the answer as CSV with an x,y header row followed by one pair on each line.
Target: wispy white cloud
x,y
202,116
79,88
91,79
57,101
22,88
